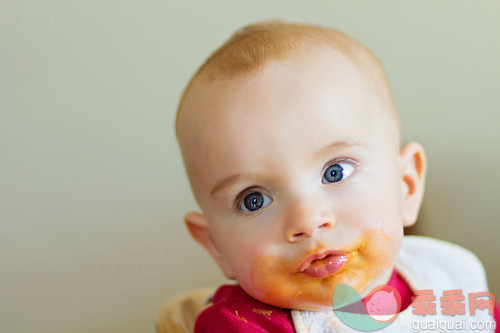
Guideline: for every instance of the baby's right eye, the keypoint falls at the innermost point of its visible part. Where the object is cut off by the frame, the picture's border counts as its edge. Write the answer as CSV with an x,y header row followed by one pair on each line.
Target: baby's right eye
x,y
254,201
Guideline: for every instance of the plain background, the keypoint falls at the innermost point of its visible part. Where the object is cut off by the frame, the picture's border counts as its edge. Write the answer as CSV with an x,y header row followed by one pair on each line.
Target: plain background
x,y
93,190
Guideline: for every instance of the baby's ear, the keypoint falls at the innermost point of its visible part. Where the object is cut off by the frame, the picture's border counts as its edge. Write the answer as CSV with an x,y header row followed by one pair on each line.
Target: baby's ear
x,y
199,230
413,170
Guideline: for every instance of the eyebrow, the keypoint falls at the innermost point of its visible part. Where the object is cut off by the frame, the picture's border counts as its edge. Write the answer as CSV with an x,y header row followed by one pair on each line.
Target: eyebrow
x,y
336,146
220,184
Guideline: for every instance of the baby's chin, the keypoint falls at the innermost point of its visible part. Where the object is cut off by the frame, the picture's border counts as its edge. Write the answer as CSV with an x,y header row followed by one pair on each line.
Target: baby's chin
x,y
303,297
309,301
317,295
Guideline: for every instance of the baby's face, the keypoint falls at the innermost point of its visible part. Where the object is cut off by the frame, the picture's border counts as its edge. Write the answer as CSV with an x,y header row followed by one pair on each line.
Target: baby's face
x,y
298,173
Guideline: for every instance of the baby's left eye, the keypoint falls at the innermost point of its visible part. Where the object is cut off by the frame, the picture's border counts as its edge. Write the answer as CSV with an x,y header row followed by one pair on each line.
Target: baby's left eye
x,y
337,172
255,201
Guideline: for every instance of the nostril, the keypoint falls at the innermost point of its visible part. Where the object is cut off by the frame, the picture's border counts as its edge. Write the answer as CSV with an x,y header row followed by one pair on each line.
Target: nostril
x,y
298,235
308,232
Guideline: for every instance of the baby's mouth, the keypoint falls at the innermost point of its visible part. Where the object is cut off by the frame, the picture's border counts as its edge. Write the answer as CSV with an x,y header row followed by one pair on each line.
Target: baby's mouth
x,y
323,264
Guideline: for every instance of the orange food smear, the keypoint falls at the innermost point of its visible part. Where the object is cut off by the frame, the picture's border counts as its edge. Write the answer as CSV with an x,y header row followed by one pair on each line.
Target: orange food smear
x,y
262,311
240,318
280,285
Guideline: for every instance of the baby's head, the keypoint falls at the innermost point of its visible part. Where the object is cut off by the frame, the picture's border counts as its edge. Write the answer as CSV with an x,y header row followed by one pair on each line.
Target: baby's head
x,y
291,143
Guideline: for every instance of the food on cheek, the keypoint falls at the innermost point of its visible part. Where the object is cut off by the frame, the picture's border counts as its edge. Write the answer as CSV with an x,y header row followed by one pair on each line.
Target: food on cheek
x,y
276,280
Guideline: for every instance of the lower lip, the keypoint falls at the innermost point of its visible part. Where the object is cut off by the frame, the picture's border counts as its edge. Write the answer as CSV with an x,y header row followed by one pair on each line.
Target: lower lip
x,y
326,266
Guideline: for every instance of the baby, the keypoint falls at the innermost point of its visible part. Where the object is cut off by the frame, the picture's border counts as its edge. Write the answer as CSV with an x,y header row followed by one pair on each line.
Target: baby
x,y
291,143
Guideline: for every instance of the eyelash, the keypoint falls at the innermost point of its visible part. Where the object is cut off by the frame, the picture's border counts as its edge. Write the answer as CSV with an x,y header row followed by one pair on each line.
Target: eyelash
x,y
350,161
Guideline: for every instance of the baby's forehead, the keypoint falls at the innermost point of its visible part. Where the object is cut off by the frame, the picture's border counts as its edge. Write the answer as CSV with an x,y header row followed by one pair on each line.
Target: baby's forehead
x,y
344,69
223,104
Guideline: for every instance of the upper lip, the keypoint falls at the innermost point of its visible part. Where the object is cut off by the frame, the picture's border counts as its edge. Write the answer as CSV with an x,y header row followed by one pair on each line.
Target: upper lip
x,y
318,256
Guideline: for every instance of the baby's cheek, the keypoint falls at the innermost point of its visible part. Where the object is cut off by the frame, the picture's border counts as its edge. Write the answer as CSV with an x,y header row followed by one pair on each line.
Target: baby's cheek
x,y
375,256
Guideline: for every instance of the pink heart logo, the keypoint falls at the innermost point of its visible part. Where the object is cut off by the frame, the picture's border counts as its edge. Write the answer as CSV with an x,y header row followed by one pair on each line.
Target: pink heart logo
x,y
383,303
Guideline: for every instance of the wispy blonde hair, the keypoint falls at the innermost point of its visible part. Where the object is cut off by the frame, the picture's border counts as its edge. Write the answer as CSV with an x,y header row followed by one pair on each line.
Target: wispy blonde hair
x,y
255,45
252,47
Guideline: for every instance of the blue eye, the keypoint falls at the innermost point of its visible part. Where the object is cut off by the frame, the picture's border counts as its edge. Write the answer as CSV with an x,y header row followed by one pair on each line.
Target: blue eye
x,y
337,172
254,201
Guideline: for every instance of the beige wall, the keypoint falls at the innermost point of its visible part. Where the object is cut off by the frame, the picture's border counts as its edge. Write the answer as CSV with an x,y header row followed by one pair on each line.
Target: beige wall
x,y
92,187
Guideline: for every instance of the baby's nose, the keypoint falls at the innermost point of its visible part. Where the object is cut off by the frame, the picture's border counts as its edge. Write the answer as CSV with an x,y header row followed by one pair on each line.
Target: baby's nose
x,y
304,219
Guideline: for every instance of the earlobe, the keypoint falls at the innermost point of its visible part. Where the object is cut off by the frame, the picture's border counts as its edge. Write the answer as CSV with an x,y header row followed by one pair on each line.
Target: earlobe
x,y
413,170
198,228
